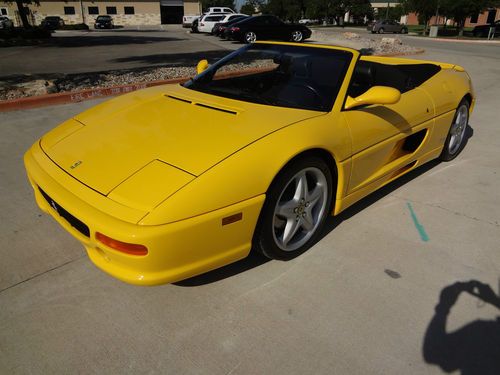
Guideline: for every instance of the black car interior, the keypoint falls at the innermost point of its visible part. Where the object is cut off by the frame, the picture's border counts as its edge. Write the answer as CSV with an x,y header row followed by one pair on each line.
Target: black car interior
x,y
403,77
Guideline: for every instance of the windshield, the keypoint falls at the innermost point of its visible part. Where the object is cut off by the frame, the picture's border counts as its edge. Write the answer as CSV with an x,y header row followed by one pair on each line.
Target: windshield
x,y
278,75
103,18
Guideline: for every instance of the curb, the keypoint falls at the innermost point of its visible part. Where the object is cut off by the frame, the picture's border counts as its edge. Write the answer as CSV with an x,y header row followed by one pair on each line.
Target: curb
x,y
78,96
450,40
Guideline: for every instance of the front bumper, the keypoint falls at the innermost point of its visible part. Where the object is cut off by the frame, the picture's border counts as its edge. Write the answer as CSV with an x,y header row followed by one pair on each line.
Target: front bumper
x,y
176,250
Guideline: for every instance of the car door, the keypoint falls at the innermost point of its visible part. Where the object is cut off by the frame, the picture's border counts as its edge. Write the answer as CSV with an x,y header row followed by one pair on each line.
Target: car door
x,y
278,29
386,138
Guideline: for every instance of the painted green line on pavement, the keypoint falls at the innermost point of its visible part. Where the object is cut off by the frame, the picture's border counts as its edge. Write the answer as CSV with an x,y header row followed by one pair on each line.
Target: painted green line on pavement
x,y
420,227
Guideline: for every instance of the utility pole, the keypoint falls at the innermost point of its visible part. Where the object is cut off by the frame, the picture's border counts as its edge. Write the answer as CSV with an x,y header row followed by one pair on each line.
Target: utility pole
x,y
387,10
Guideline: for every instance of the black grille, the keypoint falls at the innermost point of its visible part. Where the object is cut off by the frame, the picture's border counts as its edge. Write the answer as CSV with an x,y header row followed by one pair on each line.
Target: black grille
x,y
73,221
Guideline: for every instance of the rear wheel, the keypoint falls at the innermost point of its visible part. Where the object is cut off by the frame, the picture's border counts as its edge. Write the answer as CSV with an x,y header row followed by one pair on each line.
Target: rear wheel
x,y
297,204
250,37
381,30
455,141
297,36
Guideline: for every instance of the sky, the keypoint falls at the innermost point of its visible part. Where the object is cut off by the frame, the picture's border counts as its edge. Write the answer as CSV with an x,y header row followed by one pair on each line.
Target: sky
x,y
239,3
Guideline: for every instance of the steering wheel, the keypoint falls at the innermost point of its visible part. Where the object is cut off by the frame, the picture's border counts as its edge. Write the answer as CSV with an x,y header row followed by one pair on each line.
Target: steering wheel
x,y
310,88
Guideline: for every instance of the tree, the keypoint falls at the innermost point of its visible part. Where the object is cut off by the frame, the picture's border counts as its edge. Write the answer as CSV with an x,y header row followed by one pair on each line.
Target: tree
x,y
251,6
424,8
22,13
459,10
359,9
217,3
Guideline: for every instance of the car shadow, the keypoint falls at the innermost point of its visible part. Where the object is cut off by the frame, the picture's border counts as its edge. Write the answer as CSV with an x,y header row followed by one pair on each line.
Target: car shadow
x,y
472,349
105,40
255,259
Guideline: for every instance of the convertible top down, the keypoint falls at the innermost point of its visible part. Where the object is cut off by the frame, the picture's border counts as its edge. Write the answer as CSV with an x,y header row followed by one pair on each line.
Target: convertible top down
x,y
255,152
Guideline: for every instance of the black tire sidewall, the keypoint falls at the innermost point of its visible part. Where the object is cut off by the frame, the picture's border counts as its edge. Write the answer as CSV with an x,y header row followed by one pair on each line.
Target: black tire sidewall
x,y
263,240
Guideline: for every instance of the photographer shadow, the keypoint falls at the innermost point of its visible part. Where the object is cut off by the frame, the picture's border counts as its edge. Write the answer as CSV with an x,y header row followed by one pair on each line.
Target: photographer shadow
x,y
472,349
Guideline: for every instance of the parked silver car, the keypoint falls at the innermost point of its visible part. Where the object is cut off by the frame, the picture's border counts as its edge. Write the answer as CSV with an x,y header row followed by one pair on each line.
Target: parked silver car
x,y
387,26
6,22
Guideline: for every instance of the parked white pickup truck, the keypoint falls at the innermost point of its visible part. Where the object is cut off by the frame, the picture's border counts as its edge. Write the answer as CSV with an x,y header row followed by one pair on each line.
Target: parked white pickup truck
x,y
187,20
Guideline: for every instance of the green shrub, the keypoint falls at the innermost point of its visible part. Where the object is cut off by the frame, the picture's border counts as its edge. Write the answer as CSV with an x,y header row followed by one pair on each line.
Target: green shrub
x,y
19,36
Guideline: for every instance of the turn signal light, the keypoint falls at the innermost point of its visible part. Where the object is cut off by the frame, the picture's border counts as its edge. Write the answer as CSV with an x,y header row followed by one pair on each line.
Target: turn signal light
x,y
124,247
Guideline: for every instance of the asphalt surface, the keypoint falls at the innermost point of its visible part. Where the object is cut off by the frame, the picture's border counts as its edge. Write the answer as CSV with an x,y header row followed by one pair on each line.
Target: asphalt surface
x,y
133,48
361,301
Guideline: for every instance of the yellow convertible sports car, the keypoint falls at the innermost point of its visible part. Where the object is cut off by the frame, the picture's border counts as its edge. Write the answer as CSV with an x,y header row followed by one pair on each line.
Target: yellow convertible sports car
x,y
254,152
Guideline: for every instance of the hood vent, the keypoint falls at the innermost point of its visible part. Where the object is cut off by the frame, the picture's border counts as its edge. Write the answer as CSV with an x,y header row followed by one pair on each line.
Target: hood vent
x,y
187,101
216,108
179,99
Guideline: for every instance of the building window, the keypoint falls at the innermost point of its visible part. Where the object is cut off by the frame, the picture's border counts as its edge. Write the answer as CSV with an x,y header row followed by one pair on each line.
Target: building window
x,y
93,10
129,10
473,19
69,10
110,10
3,11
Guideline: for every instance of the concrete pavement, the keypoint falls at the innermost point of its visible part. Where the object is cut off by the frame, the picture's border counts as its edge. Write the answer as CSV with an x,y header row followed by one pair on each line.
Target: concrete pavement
x,y
359,302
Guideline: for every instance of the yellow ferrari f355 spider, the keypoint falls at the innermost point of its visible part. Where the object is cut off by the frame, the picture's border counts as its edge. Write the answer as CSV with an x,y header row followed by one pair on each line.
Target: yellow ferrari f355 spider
x,y
254,152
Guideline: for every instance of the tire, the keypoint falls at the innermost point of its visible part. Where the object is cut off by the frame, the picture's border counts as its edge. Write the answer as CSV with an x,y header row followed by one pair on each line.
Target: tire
x,y
404,30
381,30
296,207
249,37
456,139
297,36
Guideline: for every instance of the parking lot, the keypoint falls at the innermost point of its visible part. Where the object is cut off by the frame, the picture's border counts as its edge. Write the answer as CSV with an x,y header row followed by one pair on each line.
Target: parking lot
x,y
361,301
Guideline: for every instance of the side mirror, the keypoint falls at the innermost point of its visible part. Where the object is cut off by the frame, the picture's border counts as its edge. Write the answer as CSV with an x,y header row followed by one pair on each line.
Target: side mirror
x,y
375,95
202,66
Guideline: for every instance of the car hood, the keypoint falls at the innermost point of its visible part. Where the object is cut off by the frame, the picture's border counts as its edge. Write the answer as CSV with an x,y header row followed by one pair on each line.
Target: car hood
x,y
183,129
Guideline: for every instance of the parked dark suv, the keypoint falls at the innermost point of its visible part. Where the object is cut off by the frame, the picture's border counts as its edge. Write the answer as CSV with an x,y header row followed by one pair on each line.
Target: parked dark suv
x,y
52,22
103,22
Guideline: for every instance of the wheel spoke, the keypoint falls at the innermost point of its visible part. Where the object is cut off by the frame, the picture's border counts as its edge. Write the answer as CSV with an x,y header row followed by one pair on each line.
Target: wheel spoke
x,y
315,195
308,221
291,228
301,187
286,209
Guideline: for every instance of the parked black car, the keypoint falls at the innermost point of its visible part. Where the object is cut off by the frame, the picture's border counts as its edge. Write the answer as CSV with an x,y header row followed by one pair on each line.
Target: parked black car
x,y
220,28
104,22
52,22
266,28
483,30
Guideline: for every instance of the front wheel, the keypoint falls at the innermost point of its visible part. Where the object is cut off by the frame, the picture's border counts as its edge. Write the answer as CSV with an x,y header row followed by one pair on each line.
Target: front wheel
x,y
297,204
250,37
381,30
455,141
297,36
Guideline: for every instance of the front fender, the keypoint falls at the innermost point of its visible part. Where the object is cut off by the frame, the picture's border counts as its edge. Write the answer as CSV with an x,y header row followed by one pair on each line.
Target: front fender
x,y
250,171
